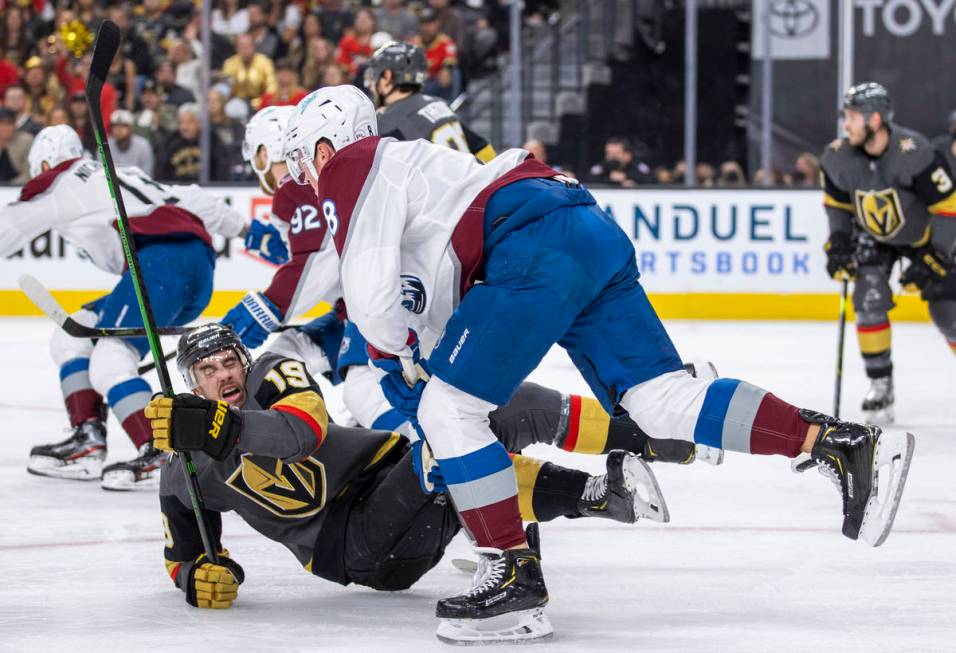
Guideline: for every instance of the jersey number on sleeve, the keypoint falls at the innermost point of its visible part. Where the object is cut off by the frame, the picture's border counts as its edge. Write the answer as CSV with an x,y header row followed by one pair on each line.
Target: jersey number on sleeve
x,y
943,183
451,135
305,218
288,374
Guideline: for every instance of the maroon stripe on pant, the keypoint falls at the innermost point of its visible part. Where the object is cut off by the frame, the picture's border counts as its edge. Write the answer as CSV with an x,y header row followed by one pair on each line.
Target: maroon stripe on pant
x,y
137,428
497,525
85,405
777,428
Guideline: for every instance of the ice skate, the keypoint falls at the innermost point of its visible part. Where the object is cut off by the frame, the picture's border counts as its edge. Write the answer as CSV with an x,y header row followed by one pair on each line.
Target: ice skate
x,y
141,473
853,456
80,457
506,601
878,402
627,492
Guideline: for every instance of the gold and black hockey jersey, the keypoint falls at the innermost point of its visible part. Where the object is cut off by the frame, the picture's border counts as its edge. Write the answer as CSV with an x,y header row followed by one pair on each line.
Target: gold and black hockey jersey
x,y
895,197
278,480
430,118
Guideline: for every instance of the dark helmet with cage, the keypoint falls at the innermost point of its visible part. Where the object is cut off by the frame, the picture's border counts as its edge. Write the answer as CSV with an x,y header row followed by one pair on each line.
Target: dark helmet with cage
x,y
204,341
406,61
869,98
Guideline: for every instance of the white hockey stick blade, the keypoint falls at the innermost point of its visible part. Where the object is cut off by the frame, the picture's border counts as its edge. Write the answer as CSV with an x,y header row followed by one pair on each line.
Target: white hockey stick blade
x,y
462,564
40,296
648,499
524,627
894,452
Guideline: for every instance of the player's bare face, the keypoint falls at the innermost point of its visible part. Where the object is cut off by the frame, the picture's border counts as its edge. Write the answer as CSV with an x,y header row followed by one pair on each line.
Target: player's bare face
x,y
221,377
854,125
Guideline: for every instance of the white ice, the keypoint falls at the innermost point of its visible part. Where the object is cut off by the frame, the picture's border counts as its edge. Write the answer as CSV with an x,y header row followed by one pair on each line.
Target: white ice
x,y
753,559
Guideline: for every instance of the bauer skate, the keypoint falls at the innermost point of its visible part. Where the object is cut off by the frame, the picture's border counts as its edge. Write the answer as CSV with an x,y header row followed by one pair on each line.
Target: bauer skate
x,y
505,604
141,473
853,456
878,402
80,457
627,492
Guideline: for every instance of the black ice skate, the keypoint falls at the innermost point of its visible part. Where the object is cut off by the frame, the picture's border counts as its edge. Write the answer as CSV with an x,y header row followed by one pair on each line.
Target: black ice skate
x,y
852,455
627,492
878,402
79,457
505,604
140,473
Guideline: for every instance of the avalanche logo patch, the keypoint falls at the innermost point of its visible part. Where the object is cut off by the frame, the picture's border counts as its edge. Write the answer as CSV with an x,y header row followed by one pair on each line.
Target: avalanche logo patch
x,y
413,294
880,212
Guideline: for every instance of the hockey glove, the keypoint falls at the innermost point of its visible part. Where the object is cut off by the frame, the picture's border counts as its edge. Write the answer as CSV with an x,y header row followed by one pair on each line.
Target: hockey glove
x,y
253,319
208,585
265,241
839,249
190,423
426,467
403,393
928,268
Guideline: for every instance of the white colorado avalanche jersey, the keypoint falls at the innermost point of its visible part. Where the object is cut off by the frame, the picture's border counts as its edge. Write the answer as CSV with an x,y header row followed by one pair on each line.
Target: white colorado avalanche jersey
x,y
73,198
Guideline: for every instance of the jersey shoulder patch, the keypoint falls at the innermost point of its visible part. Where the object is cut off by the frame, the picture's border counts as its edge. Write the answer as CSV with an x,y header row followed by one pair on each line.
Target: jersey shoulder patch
x,y
912,150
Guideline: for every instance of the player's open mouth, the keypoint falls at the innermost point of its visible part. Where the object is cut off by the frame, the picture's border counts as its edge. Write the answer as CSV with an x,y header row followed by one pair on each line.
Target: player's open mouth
x,y
230,392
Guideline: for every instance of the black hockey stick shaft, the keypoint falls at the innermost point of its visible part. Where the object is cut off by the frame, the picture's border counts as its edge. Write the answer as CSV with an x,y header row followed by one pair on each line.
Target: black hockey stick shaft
x,y
104,50
841,335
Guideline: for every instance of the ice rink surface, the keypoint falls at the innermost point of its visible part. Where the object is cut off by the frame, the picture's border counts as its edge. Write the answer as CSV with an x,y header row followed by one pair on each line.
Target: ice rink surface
x,y
753,559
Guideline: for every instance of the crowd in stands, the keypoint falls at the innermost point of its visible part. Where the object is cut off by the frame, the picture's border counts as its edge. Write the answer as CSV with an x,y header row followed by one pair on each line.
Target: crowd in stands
x,y
263,52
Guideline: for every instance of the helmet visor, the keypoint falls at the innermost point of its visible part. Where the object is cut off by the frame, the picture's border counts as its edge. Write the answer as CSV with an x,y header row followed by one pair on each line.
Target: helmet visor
x,y
299,161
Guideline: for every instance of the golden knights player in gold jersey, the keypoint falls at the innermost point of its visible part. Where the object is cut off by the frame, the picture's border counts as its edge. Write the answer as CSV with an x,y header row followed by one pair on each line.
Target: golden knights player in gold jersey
x,y
888,195
353,505
394,76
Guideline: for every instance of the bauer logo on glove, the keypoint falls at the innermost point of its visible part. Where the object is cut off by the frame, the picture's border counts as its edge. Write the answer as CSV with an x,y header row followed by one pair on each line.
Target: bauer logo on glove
x,y
190,423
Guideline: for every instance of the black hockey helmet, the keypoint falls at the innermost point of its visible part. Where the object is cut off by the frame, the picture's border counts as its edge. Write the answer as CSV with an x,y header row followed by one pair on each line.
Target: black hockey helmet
x,y
206,340
406,61
868,98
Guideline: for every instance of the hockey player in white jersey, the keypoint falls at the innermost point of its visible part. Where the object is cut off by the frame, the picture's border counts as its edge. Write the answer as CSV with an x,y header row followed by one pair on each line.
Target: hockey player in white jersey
x,y
507,259
171,226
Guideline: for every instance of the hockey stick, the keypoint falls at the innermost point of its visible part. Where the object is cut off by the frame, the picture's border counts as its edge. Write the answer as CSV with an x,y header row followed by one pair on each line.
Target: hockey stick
x,y
45,301
841,333
104,50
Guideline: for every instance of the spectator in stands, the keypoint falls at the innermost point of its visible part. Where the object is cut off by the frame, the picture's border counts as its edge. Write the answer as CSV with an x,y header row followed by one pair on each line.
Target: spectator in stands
x,y
319,56
14,148
334,18
88,13
134,49
288,92
187,65
806,171
397,19
122,77
179,160
129,149
705,175
229,19
620,166
252,72
43,90
267,41
777,178
154,27
442,55
15,45
9,74
172,93
72,76
154,118
334,75
80,120
451,22
15,99
663,175
229,131
355,47
731,175
309,30
57,115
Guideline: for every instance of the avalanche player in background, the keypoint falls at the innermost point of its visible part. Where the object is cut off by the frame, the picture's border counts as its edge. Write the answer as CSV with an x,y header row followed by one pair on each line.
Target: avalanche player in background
x,y
171,226
510,258
347,502
888,195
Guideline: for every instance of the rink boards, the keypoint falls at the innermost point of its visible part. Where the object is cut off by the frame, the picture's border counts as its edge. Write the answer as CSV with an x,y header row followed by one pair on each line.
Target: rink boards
x,y
703,254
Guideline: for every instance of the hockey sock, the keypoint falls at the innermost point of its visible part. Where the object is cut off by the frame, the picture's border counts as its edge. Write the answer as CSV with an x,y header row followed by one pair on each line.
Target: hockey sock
x,y
128,399
547,491
83,403
875,346
589,429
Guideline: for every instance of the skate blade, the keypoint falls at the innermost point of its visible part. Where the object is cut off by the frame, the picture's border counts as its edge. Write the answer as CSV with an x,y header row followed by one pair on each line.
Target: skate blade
x,y
893,454
125,481
523,627
465,565
80,470
882,417
648,498
709,455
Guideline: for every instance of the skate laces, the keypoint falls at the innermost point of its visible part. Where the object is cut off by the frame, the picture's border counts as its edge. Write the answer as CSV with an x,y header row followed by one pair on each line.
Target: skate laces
x,y
595,488
828,469
492,573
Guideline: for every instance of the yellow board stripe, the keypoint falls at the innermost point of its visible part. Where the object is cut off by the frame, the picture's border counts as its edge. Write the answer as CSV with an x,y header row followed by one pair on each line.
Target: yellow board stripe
x,y
670,306
526,471
592,427
875,341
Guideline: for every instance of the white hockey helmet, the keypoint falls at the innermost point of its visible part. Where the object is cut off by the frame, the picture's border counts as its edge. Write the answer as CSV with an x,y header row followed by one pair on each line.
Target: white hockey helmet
x,y
54,145
338,114
266,130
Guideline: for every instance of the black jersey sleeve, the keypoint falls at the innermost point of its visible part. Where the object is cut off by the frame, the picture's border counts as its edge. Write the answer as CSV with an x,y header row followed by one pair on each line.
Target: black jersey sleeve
x,y
181,533
838,204
478,146
934,186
